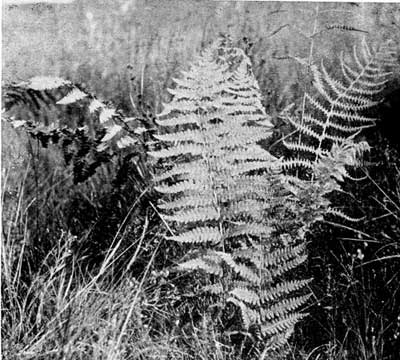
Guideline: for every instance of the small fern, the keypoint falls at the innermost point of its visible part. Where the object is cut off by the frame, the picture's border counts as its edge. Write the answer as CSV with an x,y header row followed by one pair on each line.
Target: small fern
x,y
337,114
103,133
115,125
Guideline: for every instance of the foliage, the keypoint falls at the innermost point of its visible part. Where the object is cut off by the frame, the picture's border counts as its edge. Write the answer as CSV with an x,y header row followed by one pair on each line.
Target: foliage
x,y
228,199
218,195
109,184
87,145
78,177
337,115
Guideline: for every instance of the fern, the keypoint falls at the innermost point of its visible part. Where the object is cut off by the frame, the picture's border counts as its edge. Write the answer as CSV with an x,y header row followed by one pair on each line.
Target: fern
x,y
85,145
224,193
327,146
115,125
336,115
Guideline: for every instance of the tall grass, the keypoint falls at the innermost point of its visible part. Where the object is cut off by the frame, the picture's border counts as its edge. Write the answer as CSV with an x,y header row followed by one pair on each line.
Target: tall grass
x,y
58,312
356,269
54,306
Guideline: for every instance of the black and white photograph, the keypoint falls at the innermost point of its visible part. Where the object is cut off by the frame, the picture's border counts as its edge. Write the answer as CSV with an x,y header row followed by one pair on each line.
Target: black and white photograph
x,y
200,180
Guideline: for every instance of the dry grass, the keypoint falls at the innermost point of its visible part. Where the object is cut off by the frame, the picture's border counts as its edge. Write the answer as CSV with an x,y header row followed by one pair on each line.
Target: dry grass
x,y
59,310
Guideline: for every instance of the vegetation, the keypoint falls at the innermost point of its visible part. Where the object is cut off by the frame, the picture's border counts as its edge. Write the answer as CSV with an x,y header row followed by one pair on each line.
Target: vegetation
x,y
247,220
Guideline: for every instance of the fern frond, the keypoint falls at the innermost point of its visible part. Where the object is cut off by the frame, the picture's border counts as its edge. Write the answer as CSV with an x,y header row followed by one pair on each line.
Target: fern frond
x,y
302,147
199,235
348,129
201,264
252,152
182,186
289,265
315,103
283,255
310,119
339,115
73,96
284,288
178,106
42,92
194,168
95,105
277,342
293,163
246,273
351,117
245,295
281,325
305,129
284,306
254,229
189,135
111,131
223,187
195,200
179,120
194,215
251,207
342,215
106,114
251,255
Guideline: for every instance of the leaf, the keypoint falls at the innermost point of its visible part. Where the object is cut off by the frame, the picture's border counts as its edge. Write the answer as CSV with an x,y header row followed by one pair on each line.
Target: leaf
x,y
95,105
284,306
283,288
282,324
200,264
72,97
246,296
199,235
194,215
126,141
111,132
106,114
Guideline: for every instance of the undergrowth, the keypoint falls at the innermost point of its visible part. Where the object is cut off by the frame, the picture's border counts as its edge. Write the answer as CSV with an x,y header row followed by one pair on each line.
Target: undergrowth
x,y
207,252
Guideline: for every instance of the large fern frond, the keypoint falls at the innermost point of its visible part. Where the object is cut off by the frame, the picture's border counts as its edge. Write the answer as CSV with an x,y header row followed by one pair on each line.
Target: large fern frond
x,y
222,187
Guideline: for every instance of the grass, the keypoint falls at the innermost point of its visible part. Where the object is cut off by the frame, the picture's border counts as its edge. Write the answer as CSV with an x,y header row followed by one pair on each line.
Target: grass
x,y
126,306
60,310
58,313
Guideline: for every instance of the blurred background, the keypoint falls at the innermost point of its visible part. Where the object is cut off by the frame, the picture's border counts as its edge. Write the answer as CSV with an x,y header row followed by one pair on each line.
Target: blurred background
x,y
93,42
